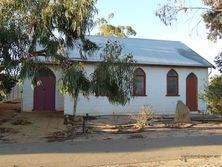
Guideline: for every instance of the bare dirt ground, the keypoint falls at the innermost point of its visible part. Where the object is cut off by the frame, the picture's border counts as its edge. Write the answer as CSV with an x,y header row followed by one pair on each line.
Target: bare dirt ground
x,y
20,127
43,127
8,111
32,127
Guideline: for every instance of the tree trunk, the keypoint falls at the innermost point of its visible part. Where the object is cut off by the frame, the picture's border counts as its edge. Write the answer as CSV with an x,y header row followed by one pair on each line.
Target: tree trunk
x,y
74,106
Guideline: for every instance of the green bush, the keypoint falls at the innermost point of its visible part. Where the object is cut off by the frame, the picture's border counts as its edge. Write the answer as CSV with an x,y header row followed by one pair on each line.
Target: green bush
x,y
6,84
213,95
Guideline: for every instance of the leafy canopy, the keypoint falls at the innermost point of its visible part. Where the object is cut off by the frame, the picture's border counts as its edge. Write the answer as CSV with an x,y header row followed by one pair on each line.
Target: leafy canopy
x,y
6,84
113,77
46,28
212,14
213,95
37,31
43,28
75,81
107,29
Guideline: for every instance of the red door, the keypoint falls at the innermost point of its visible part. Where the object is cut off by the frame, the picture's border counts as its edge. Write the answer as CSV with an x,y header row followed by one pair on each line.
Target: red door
x,y
44,95
191,92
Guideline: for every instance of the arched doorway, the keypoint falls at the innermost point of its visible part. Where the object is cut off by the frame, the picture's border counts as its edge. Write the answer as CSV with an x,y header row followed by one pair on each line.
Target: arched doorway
x,y
192,92
44,94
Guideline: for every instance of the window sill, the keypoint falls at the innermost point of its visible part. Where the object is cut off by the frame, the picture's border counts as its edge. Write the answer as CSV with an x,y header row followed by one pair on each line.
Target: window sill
x,y
172,95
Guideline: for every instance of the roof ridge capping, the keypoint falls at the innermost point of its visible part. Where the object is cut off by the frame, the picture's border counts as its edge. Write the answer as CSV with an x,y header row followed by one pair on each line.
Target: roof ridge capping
x,y
131,38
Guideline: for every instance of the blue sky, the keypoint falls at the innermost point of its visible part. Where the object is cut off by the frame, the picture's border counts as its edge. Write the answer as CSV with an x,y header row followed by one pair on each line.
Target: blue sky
x,y
140,14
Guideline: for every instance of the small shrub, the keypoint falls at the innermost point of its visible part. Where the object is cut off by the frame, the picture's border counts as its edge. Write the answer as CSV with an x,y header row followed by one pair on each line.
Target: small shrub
x,y
21,122
144,116
6,130
213,95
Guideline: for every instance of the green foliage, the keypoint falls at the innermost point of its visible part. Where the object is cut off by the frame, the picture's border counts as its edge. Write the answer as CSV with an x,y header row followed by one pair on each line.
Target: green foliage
x,y
213,95
218,61
11,48
113,77
29,29
213,19
6,84
167,13
74,81
42,28
212,15
38,31
33,70
106,29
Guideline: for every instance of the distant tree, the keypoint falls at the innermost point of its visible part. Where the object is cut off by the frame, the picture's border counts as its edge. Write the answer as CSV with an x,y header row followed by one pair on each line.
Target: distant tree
x,y
107,29
213,95
212,15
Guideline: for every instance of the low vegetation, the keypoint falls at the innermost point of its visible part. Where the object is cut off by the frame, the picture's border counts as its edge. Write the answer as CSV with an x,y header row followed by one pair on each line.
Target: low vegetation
x,y
213,95
143,117
21,122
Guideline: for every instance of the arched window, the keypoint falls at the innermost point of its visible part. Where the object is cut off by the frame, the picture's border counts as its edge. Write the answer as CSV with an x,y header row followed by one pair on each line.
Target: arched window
x,y
139,86
172,83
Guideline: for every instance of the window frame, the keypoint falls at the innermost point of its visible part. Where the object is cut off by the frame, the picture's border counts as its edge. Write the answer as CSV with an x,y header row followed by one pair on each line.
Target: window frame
x,y
177,83
144,82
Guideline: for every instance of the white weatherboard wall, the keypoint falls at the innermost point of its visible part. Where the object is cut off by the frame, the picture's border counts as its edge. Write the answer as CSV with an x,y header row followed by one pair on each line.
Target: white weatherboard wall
x,y
155,91
28,94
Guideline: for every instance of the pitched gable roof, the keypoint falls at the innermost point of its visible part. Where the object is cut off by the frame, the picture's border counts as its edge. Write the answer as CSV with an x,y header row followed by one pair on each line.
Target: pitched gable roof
x,y
151,52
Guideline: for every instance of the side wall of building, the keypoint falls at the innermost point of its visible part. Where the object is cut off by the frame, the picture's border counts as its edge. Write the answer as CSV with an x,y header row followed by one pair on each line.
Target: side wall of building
x,y
28,94
155,94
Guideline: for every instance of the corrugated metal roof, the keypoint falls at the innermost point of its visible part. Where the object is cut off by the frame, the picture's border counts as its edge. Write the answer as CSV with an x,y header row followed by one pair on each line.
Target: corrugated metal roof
x,y
151,52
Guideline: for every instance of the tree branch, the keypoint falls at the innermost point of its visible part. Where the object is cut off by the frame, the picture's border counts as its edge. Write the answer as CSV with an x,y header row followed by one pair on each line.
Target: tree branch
x,y
38,53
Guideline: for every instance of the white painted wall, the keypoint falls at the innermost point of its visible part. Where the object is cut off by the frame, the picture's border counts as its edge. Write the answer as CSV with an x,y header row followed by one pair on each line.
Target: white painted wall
x,y
28,94
155,90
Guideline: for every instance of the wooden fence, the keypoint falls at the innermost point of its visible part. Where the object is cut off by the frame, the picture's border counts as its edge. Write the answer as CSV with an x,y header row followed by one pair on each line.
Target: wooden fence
x,y
15,94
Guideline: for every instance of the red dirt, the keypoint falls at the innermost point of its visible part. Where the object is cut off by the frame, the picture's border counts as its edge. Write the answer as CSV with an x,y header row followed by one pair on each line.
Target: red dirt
x,y
8,110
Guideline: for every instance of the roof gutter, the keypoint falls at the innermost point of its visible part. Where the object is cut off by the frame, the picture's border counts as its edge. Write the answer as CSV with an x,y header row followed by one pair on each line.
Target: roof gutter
x,y
135,64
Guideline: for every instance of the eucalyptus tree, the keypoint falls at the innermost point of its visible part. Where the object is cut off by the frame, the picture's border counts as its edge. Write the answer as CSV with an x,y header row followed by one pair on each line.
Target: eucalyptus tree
x,y
35,31
33,28
105,28
211,15
113,77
